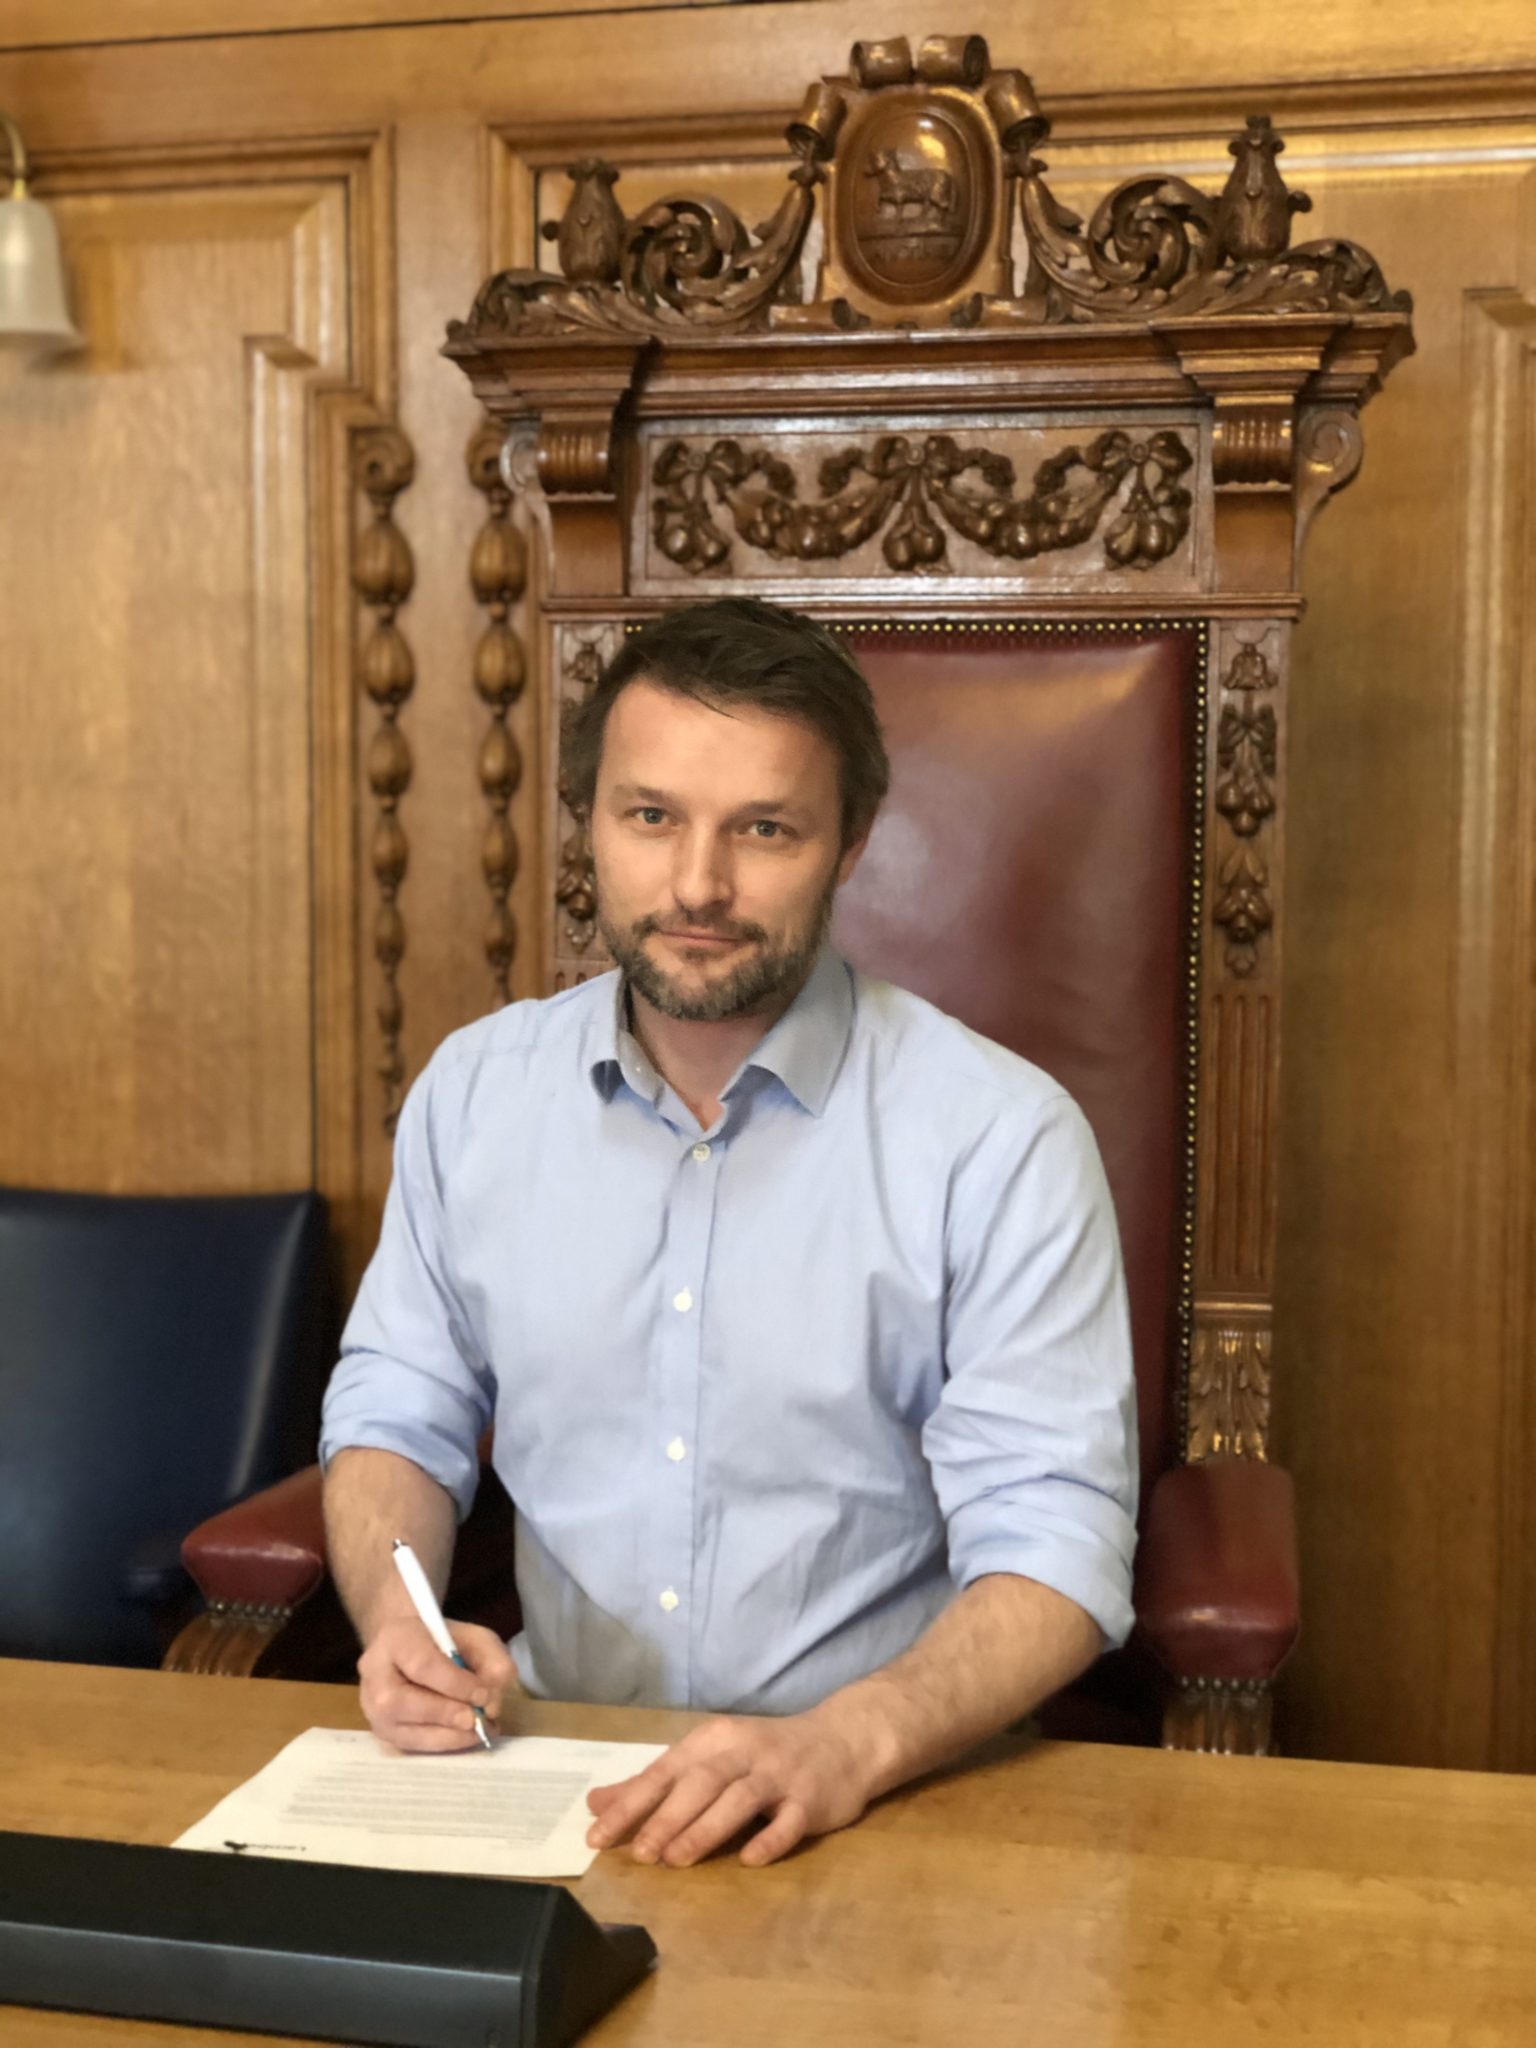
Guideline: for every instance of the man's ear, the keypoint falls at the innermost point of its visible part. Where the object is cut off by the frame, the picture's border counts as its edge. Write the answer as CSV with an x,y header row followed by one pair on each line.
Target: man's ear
x,y
852,854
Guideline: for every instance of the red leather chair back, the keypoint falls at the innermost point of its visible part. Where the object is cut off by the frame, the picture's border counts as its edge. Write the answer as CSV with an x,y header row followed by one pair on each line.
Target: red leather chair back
x,y
1030,875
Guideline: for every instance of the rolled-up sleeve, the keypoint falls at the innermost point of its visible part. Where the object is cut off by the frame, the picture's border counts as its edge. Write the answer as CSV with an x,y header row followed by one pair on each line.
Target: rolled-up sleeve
x,y
1032,1445
409,1378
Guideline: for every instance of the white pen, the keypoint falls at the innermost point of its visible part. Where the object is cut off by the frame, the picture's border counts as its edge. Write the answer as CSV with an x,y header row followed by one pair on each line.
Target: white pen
x,y
424,1600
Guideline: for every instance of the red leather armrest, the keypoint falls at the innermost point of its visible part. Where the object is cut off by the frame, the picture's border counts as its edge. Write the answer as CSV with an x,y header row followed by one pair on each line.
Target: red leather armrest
x,y
268,1551
1217,1590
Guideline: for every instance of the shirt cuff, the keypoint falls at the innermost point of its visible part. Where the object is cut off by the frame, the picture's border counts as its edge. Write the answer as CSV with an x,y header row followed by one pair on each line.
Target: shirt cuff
x,y
456,1473
1091,1569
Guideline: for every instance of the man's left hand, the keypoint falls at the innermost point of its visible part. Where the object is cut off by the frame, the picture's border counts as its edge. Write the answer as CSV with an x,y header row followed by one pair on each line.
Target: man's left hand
x,y
805,1772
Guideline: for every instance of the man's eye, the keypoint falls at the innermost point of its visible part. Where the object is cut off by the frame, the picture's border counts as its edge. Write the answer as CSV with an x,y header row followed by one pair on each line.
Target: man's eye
x,y
651,814
767,828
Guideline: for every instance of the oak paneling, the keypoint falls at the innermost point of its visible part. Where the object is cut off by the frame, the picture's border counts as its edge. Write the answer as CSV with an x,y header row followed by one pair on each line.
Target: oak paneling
x,y
185,784
1402,1270
156,920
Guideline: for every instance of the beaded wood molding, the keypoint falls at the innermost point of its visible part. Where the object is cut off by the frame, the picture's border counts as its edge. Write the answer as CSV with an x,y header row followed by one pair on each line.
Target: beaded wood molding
x,y
498,573
383,572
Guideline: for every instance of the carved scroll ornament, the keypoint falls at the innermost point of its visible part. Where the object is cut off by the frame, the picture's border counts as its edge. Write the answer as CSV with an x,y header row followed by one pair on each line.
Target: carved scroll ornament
x,y
915,161
911,490
1157,244
684,263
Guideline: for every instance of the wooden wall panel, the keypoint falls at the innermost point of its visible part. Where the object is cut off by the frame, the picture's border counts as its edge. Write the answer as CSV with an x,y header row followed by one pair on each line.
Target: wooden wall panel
x,y
1401,1339
155,1019
1407,1126
158,1025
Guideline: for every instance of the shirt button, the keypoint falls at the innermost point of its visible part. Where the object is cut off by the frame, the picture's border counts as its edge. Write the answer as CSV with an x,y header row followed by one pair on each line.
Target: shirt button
x,y
669,1600
682,1302
677,1450
701,1153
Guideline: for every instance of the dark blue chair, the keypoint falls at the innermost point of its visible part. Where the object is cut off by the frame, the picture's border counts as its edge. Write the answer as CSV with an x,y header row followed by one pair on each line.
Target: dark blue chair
x,y
160,1358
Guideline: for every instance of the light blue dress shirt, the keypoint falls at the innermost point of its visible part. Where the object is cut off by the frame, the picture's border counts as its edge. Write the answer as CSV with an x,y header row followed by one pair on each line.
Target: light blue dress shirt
x,y
764,1395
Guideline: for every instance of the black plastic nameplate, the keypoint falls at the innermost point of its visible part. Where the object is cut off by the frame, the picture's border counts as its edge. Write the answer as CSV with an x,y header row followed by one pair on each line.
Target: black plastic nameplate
x,y
394,1957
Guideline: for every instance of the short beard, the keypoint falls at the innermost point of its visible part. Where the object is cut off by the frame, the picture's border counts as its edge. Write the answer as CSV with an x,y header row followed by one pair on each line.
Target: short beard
x,y
765,976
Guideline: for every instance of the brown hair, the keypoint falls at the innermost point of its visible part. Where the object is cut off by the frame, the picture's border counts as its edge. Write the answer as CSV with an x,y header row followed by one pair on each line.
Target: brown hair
x,y
738,650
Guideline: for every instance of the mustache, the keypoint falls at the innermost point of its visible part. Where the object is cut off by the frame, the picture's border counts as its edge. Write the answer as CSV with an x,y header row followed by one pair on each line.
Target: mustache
x,y
716,927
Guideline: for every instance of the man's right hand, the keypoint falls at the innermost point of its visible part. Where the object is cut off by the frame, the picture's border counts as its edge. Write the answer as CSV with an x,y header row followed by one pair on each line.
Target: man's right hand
x,y
416,1698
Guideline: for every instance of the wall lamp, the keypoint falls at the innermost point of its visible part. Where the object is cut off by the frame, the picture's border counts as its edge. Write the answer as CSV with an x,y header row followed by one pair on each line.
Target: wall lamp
x,y
33,312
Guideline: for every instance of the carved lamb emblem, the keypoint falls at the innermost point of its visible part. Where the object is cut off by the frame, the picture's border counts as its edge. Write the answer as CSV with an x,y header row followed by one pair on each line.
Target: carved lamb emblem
x,y
901,187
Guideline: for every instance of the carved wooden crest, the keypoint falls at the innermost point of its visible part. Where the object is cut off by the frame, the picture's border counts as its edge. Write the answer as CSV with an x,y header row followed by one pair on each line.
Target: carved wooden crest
x,y
917,210
920,165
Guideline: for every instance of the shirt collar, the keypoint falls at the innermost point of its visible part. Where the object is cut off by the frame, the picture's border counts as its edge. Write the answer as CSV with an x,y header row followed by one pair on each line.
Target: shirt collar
x,y
803,1050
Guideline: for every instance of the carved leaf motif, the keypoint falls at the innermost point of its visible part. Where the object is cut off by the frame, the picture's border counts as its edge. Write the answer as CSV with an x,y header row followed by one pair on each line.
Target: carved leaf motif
x,y
1243,908
1245,752
576,889
910,490
1146,237
1247,760
1229,1393
584,657
1157,245
683,264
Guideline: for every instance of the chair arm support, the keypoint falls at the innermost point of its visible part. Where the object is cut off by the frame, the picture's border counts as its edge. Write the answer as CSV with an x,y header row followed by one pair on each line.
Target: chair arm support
x,y
265,1552
1217,1589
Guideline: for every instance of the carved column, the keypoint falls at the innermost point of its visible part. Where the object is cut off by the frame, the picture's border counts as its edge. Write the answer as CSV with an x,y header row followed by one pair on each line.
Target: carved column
x,y
498,573
1227,1388
383,572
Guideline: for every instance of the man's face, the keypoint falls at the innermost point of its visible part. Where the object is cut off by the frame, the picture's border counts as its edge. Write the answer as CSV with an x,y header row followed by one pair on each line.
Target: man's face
x,y
717,839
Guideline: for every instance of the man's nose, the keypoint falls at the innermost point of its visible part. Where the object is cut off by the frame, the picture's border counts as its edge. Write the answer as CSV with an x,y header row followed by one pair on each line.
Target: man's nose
x,y
701,876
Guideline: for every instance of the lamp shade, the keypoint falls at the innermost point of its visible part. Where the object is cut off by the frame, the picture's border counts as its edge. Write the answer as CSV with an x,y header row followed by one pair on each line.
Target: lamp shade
x,y
32,307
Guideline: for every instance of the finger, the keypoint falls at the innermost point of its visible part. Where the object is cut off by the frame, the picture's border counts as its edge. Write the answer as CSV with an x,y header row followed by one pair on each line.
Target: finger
x,y
485,1654
394,1699
424,1663
736,1805
695,1792
780,1836
422,1739
631,1800
422,1710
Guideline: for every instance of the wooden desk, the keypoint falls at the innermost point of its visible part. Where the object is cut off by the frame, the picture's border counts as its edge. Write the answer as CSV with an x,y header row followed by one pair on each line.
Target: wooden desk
x,y
1067,1897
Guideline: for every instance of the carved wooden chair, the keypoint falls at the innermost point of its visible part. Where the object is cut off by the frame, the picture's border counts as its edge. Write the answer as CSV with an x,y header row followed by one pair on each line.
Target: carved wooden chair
x,y
1052,478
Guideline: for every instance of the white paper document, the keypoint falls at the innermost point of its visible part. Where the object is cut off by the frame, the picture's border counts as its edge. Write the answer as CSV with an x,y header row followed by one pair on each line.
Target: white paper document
x,y
337,1796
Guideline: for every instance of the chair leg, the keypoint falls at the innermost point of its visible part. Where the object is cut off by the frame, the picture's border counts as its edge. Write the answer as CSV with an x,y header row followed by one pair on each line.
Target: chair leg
x,y
1225,1716
227,1641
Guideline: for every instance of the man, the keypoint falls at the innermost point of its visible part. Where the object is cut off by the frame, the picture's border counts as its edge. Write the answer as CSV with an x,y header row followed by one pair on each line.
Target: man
x,y
797,1306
